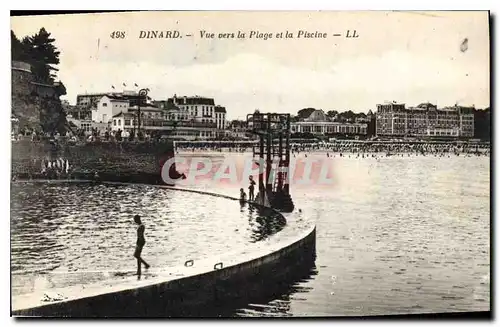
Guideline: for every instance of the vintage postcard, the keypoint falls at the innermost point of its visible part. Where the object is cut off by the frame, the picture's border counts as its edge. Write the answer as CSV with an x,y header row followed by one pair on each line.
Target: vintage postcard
x,y
250,164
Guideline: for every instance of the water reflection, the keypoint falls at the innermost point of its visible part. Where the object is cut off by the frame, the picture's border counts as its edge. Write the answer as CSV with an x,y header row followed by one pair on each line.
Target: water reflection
x,y
274,299
268,293
278,303
69,229
264,222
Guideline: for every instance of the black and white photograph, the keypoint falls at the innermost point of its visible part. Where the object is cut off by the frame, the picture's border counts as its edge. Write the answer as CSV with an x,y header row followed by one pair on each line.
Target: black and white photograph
x,y
250,164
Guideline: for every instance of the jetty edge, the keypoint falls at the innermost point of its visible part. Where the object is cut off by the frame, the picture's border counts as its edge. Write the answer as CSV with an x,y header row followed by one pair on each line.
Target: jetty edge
x,y
201,288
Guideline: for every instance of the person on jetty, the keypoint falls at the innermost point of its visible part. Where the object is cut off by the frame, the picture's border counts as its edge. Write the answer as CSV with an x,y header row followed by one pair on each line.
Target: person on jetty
x,y
243,195
139,245
251,187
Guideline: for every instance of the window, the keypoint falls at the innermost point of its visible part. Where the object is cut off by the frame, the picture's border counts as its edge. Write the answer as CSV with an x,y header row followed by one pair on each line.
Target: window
x,y
104,104
114,122
127,122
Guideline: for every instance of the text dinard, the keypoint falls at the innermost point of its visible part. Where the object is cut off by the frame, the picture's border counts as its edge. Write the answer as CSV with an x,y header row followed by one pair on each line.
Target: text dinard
x,y
159,35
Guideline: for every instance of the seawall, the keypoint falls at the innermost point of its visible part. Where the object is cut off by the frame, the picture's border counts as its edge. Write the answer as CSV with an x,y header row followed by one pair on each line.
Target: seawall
x,y
200,288
139,162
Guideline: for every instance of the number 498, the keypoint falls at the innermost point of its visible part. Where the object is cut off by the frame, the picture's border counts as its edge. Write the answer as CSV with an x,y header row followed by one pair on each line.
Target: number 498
x,y
118,35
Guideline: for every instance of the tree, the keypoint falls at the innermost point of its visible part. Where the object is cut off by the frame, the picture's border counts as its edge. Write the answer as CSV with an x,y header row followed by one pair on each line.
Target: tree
x,y
332,113
39,51
41,54
18,50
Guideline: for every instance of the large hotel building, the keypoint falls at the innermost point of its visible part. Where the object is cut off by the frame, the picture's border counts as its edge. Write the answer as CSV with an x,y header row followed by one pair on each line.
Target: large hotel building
x,y
183,117
424,120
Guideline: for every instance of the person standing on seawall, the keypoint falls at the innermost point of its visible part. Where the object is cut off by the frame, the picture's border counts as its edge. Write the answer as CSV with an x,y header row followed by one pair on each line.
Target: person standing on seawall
x,y
243,196
139,245
251,196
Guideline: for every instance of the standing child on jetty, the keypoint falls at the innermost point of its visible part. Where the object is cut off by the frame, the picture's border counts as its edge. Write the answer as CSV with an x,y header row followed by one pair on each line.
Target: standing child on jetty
x,y
251,196
139,245
243,196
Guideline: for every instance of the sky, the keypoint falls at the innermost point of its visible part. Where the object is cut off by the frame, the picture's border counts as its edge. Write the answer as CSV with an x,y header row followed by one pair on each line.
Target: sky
x,y
408,57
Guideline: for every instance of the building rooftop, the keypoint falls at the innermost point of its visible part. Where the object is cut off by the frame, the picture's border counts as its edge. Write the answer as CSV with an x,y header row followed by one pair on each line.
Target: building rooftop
x,y
220,109
114,95
426,105
95,94
116,98
192,100
124,114
392,102
316,115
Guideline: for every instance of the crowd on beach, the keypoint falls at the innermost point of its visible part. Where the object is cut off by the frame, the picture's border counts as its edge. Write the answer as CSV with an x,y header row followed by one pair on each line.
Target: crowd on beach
x,y
200,147
340,148
79,135
357,149
336,148
372,149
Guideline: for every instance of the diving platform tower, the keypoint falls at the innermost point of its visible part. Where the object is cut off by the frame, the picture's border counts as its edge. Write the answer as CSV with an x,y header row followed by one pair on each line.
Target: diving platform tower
x,y
273,149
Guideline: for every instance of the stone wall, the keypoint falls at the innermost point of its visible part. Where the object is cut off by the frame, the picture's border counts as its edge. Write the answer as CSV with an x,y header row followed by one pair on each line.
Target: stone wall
x,y
35,105
112,161
25,106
